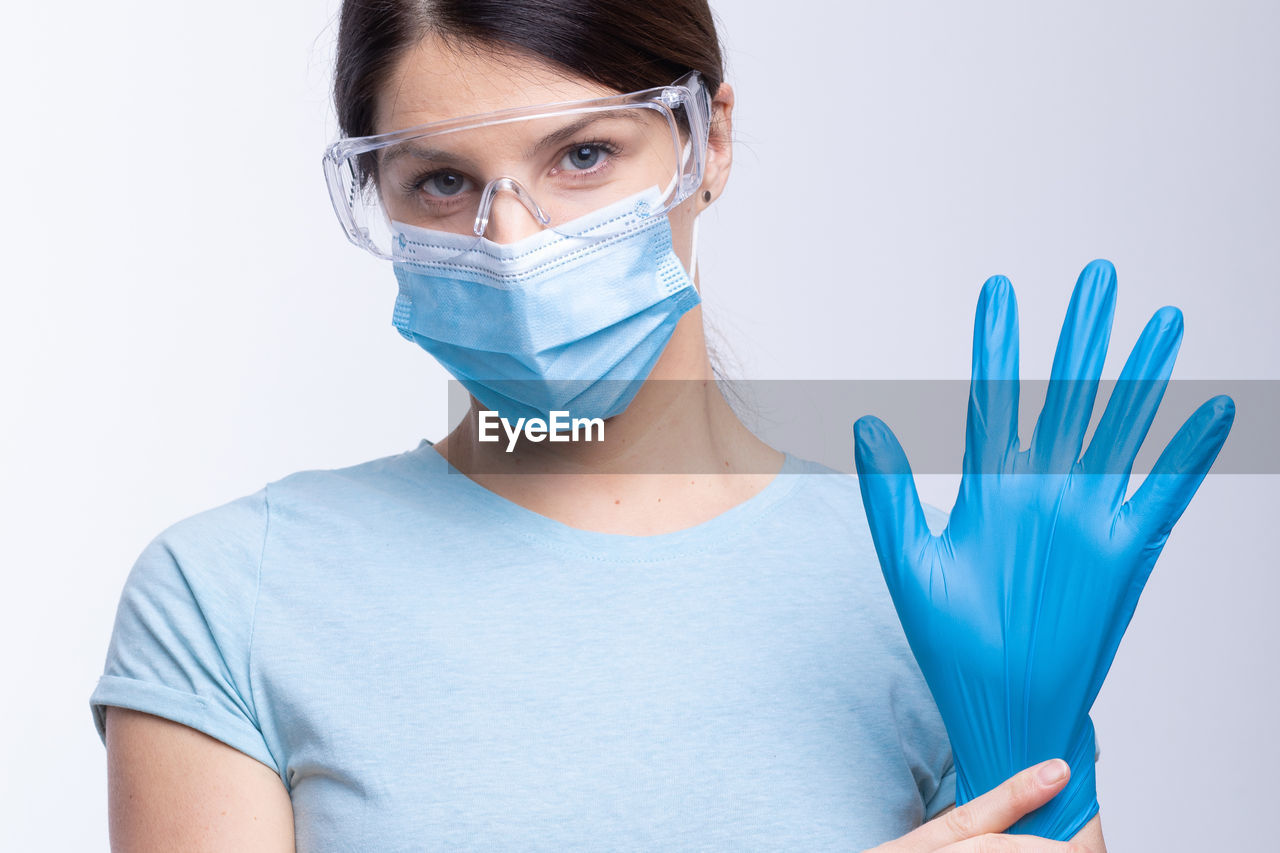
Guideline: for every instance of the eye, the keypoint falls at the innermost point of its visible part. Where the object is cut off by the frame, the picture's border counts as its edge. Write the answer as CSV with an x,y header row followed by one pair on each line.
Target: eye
x,y
584,156
444,184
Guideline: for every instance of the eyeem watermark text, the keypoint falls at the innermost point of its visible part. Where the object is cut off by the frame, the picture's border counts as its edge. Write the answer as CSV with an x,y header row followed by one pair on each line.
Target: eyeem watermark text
x,y
558,427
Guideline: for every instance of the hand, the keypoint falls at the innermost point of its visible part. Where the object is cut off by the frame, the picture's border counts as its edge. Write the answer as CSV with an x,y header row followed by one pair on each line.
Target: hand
x,y
1015,611
973,827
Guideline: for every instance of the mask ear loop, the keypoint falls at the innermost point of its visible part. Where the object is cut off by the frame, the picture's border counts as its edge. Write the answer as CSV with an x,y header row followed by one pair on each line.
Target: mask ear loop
x,y
693,248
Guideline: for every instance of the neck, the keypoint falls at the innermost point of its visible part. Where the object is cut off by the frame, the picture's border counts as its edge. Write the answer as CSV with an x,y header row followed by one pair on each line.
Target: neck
x,y
678,427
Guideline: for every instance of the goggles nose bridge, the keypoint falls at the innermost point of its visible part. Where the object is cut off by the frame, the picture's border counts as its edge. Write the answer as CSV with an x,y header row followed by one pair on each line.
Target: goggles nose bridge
x,y
490,192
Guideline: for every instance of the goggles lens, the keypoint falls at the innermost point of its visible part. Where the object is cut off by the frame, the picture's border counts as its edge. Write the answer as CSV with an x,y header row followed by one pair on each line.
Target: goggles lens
x,y
549,168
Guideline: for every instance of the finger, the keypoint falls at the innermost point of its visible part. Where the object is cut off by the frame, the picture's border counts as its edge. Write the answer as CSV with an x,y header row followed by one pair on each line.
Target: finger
x,y
889,498
992,428
1077,364
999,808
1163,496
1134,401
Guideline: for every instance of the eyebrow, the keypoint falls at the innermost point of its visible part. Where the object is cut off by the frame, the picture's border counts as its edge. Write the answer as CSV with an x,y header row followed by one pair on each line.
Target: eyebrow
x,y
418,152
408,149
570,129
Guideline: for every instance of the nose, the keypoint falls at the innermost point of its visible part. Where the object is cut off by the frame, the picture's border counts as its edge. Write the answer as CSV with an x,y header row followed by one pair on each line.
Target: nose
x,y
505,217
510,221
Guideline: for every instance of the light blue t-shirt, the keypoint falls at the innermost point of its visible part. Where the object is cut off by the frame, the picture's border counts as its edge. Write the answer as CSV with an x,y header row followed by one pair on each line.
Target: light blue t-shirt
x,y
430,666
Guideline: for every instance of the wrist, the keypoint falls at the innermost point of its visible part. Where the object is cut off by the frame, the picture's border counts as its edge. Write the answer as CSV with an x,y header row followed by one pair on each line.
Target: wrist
x,y
1060,818
1075,805
1091,835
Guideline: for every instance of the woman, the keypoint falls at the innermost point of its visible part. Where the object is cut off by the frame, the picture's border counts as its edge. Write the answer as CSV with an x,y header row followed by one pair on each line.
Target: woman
x,y
520,643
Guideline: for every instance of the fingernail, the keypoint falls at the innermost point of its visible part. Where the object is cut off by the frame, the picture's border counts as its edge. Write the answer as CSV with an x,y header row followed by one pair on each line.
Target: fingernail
x,y
1053,771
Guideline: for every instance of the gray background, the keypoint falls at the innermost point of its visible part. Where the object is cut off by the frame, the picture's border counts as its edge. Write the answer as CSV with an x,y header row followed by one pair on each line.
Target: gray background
x,y
183,320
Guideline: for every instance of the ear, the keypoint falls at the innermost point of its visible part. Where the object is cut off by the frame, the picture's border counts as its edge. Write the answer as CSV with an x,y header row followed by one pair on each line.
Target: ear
x,y
719,147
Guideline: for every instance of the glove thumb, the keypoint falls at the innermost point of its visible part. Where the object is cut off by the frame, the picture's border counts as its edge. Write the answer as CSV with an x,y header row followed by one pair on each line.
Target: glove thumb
x,y
890,500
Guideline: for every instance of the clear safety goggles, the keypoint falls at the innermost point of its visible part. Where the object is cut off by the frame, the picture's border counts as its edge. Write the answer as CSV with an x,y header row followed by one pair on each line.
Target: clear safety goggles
x,y
561,161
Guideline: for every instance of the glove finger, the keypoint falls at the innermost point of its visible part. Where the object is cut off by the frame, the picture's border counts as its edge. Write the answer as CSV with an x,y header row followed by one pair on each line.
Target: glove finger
x,y
1163,496
1077,364
991,432
1134,401
889,498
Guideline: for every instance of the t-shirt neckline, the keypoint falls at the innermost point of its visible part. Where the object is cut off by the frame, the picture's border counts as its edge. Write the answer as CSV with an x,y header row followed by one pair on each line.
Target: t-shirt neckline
x,y
612,547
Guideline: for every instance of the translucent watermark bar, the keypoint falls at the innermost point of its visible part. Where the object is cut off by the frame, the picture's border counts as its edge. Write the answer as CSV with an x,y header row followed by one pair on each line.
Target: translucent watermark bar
x,y
813,419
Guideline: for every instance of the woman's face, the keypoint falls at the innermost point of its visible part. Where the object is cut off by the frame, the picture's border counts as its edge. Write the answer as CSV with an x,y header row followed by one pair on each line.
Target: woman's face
x,y
435,81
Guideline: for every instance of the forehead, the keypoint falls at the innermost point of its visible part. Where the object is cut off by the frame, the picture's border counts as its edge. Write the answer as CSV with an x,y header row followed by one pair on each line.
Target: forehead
x,y
435,80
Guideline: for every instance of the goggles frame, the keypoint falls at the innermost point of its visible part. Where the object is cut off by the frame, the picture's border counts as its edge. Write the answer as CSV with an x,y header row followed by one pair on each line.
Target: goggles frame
x,y
688,92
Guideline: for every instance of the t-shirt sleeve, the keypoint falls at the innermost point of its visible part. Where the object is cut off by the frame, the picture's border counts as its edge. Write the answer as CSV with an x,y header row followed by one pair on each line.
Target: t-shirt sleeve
x,y
180,646
943,795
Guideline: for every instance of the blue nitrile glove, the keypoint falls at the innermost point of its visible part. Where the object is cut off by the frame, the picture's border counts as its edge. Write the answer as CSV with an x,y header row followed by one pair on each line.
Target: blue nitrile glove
x,y
1015,611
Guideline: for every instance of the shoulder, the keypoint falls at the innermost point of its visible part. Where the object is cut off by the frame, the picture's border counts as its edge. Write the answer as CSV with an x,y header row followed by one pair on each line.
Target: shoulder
x,y
223,547
841,493
417,477
836,532
244,523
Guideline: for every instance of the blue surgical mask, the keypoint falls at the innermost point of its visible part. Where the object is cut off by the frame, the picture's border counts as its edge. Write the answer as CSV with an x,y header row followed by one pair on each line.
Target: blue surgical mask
x,y
551,322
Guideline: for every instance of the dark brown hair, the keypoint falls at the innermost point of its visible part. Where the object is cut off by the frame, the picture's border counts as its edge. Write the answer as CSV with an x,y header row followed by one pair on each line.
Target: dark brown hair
x,y
626,45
